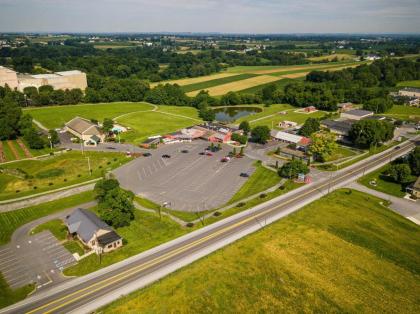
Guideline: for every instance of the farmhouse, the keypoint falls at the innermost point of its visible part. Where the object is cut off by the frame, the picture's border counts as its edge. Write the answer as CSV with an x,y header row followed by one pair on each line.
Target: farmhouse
x,y
409,92
92,231
345,106
356,114
85,130
59,80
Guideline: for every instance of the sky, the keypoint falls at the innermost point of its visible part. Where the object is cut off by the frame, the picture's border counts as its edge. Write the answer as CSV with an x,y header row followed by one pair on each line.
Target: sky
x,y
230,16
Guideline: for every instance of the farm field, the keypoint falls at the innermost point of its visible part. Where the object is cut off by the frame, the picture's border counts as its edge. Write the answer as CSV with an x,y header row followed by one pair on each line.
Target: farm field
x,y
238,85
339,56
27,177
55,116
270,116
343,253
10,221
12,150
194,80
409,84
207,84
167,119
404,113
280,83
145,231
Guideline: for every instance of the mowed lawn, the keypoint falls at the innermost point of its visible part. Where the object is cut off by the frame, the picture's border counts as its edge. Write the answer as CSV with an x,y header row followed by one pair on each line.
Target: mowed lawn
x,y
271,116
26,177
345,253
56,116
261,180
415,83
167,119
10,221
404,113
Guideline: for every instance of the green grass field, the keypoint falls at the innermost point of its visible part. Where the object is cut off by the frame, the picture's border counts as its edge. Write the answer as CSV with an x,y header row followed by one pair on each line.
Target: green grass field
x,y
280,84
10,221
345,253
409,84
28,177
404,113
145,232
383,183
270,116
341,152
56,226
220,81
9,296
261,180
55,116
147,124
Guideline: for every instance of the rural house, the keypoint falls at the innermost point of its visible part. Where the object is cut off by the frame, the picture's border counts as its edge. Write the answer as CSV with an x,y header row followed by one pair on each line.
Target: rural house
x,y
92,231
85,130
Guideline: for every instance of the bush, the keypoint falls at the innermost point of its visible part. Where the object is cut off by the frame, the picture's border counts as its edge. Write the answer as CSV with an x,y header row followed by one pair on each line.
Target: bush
x,y
50,183
216,214
241,204
190,225
263,195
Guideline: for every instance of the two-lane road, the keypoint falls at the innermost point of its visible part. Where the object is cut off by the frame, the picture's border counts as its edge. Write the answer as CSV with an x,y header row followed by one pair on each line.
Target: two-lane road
x,y
86,293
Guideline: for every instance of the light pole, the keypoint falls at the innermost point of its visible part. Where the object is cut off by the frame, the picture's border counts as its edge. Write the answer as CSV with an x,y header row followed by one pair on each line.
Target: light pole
x,y
90,170
49,138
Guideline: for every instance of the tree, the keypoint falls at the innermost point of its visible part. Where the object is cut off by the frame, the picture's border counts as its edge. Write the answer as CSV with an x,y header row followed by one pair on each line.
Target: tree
x,y
54,137
107,125
414,161
207,114
310,126
323,145
115,204
244,126
400,173
369,133
34,140
260,134
242,139
10,114
378,105
293,168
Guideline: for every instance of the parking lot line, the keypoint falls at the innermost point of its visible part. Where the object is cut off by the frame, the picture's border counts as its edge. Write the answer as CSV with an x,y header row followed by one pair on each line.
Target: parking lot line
x,y
6,261
14,267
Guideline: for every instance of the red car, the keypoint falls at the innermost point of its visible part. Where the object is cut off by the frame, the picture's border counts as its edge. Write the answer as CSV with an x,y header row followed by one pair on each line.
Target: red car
x,y
209,154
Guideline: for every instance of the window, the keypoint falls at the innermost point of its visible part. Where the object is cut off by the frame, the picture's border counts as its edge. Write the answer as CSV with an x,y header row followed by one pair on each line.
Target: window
x,y
109,246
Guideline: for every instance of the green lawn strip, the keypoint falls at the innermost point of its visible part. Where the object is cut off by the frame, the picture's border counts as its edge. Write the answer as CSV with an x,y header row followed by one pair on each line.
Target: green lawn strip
x,y
19,150
341,152
74,246
145,232
319,68
9,296
261,180
55,116
56,227
344,253
281,83
404,113
148,124
415,83
186,111
7,152
10,221
50,173
384,183
216,82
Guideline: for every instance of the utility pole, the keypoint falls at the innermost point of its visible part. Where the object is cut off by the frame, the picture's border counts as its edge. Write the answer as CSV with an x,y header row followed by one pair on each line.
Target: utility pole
x,y
49,138
82,147
90,170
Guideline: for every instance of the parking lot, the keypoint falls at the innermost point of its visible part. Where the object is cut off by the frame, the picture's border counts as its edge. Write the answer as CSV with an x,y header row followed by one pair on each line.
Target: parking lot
x,y
187,181
35,259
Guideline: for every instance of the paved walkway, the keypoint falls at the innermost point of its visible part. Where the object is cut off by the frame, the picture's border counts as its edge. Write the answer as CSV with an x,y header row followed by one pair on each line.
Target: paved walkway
x,y
406,208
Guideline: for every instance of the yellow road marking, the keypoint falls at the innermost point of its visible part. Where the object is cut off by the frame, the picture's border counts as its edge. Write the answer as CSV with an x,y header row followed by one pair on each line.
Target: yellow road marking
x,y
136,269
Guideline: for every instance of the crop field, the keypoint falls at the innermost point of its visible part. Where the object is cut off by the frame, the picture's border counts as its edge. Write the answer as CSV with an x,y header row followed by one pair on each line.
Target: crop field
x,y
55,116
11,150
345,253
207,84
271,116
409,84
404,113
167,119
240,85
28,177
339,56
194,80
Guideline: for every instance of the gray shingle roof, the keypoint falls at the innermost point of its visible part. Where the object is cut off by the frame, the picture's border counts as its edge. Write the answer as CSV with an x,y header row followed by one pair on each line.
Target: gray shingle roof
x,y
85,223
83,126
359,112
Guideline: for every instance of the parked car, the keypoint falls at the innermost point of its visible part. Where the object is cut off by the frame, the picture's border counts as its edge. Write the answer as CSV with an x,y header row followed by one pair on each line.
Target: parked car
x,y
225,159
185,151
202,153
147,154
209,154
166,156
110,147
244,175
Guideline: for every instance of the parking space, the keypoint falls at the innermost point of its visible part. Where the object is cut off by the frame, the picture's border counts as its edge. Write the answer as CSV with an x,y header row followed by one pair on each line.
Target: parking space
x,y
35,259
188,181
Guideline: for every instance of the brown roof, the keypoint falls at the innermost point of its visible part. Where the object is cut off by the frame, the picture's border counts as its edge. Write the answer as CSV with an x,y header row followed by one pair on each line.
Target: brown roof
x,y
83,126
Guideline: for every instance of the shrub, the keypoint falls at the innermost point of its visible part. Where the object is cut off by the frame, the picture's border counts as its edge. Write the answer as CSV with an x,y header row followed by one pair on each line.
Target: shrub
x,y
50,183
216,214
263,195
241,204
190,225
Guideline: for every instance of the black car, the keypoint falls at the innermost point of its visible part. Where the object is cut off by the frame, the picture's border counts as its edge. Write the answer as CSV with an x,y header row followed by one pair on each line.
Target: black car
x,y
184,151
166,156
147,154
201,153
244,175
397,147
110,147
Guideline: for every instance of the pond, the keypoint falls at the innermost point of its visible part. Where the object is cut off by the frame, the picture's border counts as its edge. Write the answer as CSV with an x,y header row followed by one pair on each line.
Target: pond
x,y
229,114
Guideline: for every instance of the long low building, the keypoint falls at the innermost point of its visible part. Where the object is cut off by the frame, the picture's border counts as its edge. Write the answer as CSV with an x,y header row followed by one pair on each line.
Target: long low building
x,y
339,127
59,80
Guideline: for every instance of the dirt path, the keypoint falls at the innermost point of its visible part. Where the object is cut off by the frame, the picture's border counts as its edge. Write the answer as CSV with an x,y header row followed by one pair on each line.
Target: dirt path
x,y
13,149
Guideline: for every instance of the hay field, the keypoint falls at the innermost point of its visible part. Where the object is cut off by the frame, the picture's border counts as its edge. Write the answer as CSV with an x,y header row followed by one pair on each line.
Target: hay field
x,y
238,85
194,80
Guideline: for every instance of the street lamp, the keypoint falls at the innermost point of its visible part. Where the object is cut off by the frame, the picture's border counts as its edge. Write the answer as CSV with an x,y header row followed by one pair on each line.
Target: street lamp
x,y
49,138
